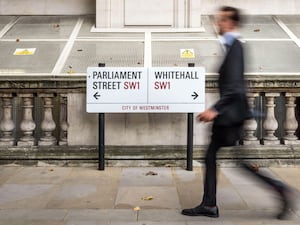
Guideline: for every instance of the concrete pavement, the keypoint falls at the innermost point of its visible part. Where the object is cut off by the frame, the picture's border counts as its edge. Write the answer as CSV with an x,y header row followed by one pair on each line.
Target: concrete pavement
x,y
49,195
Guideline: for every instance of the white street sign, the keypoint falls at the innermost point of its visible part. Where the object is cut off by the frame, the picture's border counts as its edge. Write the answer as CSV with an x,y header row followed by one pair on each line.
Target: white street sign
x,y
176,85
138,90
116,85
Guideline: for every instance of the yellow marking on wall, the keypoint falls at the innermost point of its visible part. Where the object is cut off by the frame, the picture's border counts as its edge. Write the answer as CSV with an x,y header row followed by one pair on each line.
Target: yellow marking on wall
x,y
187,53
24,51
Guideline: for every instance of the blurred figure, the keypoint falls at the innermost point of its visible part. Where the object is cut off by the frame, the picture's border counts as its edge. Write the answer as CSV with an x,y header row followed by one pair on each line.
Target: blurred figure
x,y
228,116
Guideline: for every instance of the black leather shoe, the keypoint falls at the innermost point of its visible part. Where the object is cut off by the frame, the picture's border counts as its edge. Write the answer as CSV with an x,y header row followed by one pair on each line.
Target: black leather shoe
x,y
202,210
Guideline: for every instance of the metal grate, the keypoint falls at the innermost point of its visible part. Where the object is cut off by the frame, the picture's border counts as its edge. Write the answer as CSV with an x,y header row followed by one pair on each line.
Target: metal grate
x,y
117,54
265,54
292,22
273,56
207,54
38,27
261,27
5,20
42,61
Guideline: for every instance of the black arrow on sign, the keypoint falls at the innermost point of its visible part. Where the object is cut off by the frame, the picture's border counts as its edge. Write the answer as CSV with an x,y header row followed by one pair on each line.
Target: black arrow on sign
x,y
96,95
195,95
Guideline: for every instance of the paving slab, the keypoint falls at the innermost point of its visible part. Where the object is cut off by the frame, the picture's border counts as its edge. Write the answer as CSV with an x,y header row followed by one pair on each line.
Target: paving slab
x,y
289,175
87,188
156,215
33,214
258,198
25,195
146,177
253,192
6,172
85,214
89,195
148,223
47,222
282,223
183,175
189,186
87,222
40,175
15,222
101,215
208,223
229,198
162,197
83,175
238,176
254,216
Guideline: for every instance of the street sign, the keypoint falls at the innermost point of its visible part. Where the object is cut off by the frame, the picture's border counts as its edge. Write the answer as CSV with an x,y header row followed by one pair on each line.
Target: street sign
x,y
139,90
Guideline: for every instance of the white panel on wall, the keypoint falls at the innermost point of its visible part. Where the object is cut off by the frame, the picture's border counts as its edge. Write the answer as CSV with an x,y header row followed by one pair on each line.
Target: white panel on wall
x,y
47,7
255,7
145,12
158,12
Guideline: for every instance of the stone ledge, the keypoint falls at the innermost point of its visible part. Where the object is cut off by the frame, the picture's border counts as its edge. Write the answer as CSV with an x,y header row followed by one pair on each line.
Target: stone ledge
x,y
68,83
147,155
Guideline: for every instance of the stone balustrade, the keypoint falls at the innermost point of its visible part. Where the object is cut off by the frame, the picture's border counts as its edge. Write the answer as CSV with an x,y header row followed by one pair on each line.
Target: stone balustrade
x,y
24,123
27,124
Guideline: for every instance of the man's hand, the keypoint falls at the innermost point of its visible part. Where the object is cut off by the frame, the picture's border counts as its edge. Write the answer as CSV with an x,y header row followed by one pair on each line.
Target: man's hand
x,y
207,116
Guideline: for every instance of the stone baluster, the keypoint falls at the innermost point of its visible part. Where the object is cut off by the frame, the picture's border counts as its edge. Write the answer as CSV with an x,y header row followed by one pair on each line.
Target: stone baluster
x,y
270,124
48,125
250,125
290,124
7,124
63,120
27,125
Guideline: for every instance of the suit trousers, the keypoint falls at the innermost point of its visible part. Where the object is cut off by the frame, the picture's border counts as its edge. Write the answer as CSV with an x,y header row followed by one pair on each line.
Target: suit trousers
x,y
226,136
221,136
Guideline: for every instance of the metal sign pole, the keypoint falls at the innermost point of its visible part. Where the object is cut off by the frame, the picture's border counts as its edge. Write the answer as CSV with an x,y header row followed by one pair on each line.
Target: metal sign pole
x,y
189,157
101,137
101,144
190,138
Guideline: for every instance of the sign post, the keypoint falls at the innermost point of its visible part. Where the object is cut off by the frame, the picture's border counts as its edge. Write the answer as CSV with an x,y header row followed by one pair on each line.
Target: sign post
x,y
101,136
145,90
190,137
101,140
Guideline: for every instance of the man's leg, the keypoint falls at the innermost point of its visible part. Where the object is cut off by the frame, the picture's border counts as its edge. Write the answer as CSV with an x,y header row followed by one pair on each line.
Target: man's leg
x,y
222,136
285,192
208,206
210,178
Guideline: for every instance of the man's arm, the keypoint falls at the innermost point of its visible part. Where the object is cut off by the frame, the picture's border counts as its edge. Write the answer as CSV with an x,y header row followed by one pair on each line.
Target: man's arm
x,y
207,115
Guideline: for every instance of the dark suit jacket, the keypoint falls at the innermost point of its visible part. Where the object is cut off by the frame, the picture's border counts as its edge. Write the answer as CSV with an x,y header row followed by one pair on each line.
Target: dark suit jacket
x,y
233,105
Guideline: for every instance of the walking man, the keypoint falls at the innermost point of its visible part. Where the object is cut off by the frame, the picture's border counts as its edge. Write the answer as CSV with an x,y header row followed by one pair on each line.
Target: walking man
x,y
228,116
